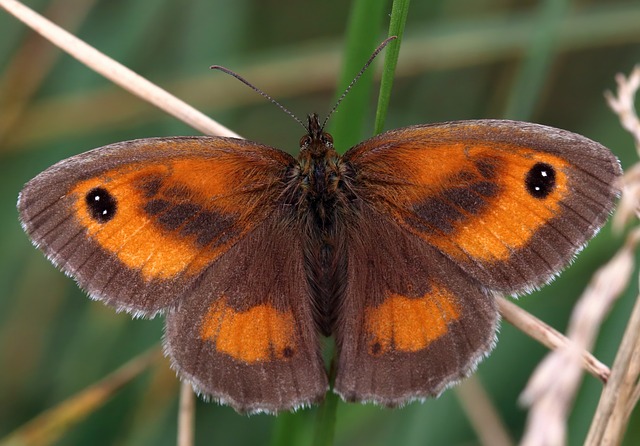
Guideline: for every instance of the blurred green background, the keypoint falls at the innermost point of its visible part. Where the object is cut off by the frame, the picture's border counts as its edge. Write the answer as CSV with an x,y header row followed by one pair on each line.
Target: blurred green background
x,y
461,59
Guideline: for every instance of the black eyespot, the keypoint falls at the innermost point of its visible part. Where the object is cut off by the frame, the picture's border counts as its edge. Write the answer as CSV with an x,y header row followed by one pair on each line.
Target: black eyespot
x,y
288,352
541,180
102,205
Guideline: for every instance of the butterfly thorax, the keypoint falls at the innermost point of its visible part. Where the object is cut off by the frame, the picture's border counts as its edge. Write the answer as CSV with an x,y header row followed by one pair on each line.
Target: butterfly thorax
x,y
319,174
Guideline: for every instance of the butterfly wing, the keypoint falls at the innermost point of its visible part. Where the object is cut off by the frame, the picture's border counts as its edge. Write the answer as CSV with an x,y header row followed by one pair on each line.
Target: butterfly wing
x,y
411,322
509,202
247,338
181,224
448,214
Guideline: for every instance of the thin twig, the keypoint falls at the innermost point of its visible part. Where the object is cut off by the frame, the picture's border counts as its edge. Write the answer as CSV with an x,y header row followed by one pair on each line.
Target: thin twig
x,y
548,336
115,71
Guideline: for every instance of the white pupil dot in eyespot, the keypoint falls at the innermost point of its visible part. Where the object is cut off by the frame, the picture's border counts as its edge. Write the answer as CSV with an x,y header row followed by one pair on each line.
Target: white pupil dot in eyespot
x,y
97,198
543,173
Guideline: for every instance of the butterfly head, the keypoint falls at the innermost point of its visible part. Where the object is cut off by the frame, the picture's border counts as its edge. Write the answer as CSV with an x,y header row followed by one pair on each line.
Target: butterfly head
x,y
316,143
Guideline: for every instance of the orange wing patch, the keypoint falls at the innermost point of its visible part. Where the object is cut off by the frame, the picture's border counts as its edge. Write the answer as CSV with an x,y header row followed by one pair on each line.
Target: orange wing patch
x,y
513,217
261,333
172,217
410,324
471,199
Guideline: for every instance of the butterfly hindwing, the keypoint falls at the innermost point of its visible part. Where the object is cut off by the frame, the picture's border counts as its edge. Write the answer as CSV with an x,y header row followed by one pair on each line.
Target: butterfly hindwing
x,y
411,322
246,335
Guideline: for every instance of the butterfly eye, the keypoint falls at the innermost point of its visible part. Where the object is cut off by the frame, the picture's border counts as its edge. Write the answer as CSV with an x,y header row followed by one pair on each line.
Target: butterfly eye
x,y
541,180
102,205
305,140
327,138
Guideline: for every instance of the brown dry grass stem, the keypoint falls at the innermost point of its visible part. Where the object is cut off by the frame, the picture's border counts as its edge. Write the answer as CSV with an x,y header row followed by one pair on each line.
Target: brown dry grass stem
x,y
49,426
482,414
554,384
548,336
115,71
32,63
186,415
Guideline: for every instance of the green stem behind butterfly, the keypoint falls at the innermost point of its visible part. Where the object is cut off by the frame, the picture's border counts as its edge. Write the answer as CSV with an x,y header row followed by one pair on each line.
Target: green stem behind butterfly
x,y
363,35
347,128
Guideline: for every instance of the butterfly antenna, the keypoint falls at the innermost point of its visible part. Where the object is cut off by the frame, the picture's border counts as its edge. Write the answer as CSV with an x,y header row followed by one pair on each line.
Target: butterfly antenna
x,y
359,75
260,92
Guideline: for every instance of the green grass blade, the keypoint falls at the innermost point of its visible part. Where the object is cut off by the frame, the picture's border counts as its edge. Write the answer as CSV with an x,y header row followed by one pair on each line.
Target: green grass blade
x,y
399,14
363,35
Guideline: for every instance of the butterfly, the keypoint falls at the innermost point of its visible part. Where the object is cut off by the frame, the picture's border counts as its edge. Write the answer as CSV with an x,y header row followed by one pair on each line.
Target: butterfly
x,y
396,249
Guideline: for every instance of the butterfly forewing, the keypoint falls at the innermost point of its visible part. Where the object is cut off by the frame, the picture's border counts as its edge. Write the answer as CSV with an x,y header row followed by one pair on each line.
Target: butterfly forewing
x,y
509,202
137,223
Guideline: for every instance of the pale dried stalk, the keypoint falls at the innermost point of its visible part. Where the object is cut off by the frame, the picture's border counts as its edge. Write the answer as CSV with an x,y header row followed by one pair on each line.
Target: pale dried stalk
x,y
623,103
628,206
32,63
552,387
186,415
481,413
622,392
115,71
548,336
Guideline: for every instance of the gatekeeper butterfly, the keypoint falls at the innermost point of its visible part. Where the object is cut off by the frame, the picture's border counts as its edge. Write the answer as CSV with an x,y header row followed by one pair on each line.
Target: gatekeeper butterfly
x,y
395,248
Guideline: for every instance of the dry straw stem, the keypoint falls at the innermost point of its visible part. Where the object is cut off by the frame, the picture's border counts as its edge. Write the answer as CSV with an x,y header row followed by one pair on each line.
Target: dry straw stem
x,y
623,103
186,415
552,387
32,63
622,392
115,71
482,414
628,206
48,427
548,336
